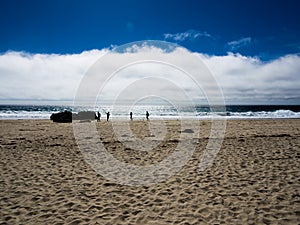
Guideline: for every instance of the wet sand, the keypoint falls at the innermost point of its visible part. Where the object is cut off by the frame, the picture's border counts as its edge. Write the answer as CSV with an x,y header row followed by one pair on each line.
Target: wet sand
x,y
254,179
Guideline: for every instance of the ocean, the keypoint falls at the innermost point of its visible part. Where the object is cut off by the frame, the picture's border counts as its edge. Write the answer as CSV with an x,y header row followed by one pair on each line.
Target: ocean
x,y
14,112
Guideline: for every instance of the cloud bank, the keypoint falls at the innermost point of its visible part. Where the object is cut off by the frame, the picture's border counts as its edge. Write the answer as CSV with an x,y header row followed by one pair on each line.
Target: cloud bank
x,y
43,76
249,80
242,79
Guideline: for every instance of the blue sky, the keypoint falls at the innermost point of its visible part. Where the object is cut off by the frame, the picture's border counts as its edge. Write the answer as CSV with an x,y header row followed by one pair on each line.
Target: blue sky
x,y
266,29
251,47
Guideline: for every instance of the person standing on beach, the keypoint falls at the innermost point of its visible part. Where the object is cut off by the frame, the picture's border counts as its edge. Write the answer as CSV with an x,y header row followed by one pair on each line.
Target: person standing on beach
x,y
107,116
131,115
98,116
147,115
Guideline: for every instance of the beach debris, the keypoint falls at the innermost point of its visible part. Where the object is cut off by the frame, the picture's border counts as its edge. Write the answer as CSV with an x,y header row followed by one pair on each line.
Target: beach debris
x,y
187,131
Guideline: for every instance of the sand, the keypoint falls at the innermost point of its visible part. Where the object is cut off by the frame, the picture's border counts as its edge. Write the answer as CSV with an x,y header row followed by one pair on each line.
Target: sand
x,y
254,179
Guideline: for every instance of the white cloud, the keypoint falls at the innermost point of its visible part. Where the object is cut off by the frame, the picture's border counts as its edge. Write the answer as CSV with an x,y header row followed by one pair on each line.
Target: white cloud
x,y
43,76
239,43
190,34
242,79
246,79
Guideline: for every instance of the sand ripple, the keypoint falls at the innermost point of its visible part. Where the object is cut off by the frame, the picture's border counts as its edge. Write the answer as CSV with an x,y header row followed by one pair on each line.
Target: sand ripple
x,y
255,179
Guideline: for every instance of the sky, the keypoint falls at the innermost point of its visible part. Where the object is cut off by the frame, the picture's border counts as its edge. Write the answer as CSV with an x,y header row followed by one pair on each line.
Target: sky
x,y
252,47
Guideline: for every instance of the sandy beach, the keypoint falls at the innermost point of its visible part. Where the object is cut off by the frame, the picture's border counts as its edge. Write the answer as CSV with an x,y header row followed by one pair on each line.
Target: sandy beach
x,y
254,179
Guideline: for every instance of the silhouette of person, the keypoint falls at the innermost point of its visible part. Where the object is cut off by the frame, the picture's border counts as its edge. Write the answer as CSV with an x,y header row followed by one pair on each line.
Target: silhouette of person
x,y
147,115
98,116
130,115
107,116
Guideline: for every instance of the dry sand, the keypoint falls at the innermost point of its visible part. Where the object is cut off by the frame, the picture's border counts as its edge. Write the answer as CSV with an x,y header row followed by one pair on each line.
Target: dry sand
x,y
255,178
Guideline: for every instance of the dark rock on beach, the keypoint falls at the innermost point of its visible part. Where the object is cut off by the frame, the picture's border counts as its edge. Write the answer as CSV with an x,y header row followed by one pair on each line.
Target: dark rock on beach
x,y
67,116
84,115
189,131
62,117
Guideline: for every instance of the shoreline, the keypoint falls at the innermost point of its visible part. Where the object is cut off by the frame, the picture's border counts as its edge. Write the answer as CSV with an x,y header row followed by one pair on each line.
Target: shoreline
x,y
156,119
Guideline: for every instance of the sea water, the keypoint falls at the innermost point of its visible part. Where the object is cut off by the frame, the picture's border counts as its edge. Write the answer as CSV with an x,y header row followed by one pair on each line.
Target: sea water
x,y
156,111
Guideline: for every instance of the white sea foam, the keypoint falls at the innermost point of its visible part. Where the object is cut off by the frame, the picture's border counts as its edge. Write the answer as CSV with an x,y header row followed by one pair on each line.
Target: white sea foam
x,y
15,115
265,114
